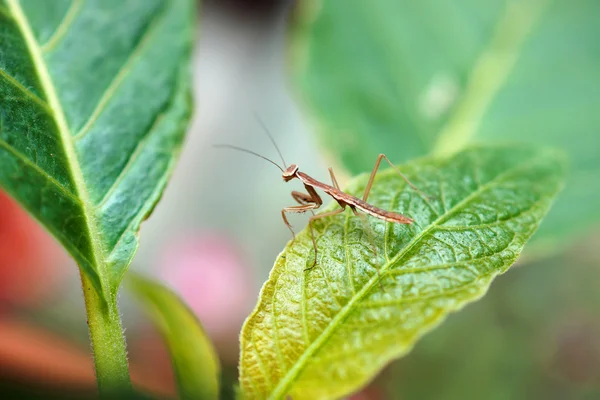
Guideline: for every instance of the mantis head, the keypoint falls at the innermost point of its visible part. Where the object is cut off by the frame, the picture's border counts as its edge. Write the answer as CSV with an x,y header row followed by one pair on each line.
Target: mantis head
x,y
290,172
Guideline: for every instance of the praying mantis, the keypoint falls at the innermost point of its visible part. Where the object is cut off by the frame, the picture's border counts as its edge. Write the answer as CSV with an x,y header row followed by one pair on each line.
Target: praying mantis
x,y
311,200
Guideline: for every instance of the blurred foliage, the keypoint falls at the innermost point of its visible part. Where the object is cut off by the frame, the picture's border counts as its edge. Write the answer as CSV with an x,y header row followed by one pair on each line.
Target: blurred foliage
x,y
323,332
536,336
193,357
413,77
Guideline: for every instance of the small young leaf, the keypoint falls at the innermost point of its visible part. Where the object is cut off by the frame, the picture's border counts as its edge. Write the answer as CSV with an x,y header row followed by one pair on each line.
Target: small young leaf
x,y
94,105
416,77
194,359
324,332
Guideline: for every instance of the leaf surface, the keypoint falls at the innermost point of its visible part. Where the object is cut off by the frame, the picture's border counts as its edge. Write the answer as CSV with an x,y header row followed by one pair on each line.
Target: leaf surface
x,y
411,78
194,359
324,332
95,101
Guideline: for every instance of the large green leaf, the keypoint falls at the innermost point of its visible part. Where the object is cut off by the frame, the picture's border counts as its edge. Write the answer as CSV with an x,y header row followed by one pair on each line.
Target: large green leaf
x,y
414,77
324,332
94,103
194,359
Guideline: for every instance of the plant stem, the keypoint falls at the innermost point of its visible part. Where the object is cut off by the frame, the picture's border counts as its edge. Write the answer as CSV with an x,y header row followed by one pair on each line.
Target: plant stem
x,y
108,342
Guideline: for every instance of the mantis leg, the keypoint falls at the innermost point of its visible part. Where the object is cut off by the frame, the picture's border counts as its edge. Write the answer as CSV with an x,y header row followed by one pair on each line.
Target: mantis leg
x,y
333,180
372,177
296,209
303,198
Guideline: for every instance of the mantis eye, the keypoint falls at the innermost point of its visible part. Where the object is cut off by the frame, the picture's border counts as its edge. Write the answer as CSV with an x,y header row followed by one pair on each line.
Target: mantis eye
x,y
291,170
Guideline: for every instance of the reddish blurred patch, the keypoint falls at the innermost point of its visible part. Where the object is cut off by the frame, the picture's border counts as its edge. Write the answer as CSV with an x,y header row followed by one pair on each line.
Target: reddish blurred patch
x,y
151,363
30,260
29,355
39,359
371,392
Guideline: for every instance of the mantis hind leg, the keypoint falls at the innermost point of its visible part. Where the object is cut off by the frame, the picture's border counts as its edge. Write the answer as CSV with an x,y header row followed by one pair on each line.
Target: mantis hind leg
x,y
333,180
374,172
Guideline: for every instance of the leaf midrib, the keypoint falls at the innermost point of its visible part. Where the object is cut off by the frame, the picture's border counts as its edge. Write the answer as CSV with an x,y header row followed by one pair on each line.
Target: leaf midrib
x,y
35,52
489,73
285,383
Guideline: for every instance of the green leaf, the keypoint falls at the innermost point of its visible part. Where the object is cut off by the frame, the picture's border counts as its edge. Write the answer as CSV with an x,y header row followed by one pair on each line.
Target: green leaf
x,y
194,359
95,101
324,332
414,77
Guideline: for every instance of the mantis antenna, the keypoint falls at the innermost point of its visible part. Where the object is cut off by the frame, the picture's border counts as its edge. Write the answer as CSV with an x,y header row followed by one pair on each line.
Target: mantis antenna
x,y
262,124
228,146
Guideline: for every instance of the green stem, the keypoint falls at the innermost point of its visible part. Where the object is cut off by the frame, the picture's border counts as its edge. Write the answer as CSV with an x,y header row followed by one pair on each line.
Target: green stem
x,y
108,342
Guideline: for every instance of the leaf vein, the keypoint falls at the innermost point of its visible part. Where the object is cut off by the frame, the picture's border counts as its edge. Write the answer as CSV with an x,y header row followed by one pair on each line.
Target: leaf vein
x,y
260,363
26,91
328,284
303,303
349,272
455,264
122,74
132,159
489,72
39,170
448,245
442,192
446,292
138,219
63,27
275,328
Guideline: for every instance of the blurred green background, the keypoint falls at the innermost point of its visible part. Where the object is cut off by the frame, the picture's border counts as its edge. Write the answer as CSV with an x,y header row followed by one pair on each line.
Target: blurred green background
x,y
337,84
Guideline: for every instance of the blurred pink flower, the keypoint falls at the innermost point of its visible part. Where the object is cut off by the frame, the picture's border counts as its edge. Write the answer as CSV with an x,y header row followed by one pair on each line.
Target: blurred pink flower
x,y
210,275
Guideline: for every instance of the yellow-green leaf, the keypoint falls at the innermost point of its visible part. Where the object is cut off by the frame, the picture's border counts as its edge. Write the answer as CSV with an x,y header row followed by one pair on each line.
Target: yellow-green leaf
x,y
324,332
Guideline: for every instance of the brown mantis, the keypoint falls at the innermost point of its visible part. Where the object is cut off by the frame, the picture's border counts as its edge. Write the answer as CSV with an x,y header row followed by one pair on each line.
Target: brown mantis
x,y
311,200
